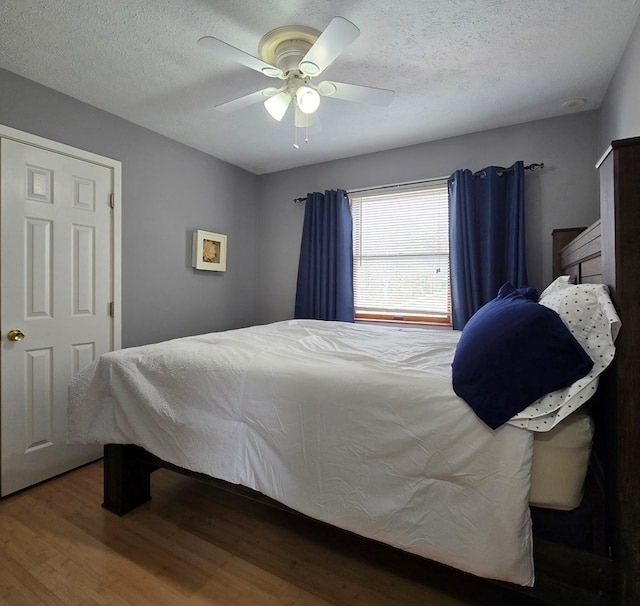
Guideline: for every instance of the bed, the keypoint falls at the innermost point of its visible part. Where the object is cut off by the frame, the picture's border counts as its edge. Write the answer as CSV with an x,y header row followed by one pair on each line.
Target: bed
x,y
359,426
480,474
356,426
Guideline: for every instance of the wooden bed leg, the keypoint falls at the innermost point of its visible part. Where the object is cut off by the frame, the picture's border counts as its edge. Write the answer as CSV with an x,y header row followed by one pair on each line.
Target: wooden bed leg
x,y
127,478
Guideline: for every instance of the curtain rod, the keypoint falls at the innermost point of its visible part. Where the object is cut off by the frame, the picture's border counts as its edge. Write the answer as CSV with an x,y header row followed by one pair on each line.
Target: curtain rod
x,y
532,167
388,186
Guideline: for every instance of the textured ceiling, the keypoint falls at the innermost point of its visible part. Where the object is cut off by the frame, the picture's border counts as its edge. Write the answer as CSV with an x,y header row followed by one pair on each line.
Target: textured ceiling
x,y
457,66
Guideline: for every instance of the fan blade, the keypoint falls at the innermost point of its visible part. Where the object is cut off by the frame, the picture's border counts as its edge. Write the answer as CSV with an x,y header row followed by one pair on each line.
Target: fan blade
x,y
331,42
246,100
235,54
356,93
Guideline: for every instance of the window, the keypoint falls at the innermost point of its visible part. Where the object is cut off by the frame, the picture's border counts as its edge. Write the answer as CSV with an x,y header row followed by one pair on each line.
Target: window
x,y
401,254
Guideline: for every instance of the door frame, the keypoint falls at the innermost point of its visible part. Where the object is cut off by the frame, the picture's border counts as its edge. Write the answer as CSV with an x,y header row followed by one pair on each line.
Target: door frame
x,y
6,132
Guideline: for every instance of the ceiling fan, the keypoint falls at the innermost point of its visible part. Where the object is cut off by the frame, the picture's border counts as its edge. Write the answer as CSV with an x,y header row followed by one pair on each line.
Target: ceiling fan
x,y
296,54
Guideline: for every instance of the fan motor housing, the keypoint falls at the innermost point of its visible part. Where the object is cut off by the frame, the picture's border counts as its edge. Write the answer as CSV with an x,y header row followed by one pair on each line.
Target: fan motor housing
x,y
289,54
285,46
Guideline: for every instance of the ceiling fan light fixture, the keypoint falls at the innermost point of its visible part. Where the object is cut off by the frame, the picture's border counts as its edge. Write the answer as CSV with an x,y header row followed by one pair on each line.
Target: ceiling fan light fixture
x,y
296,54
308,99
277,105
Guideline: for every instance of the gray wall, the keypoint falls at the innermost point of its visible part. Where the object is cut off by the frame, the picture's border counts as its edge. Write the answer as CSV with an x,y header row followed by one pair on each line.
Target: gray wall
x,y
620,111
564,194
168,191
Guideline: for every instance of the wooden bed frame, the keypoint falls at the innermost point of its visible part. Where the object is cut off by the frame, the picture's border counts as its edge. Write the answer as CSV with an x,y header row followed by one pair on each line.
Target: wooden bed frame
x,y
608,252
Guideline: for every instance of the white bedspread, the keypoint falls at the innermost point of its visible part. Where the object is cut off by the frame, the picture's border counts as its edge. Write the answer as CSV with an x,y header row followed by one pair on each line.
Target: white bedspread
x,y
354,425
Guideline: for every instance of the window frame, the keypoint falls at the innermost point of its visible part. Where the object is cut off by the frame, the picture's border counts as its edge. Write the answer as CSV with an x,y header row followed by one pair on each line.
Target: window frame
x,y
416,319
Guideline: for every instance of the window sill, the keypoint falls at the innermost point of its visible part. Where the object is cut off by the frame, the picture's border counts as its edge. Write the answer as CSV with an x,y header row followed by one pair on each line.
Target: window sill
x,y
444,323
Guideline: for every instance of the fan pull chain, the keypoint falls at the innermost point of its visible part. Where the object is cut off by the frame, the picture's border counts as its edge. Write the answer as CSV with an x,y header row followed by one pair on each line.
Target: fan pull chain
x,y
295,136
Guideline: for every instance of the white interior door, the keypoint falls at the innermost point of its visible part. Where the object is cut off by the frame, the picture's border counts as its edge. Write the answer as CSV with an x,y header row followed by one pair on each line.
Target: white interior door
x,y
57,292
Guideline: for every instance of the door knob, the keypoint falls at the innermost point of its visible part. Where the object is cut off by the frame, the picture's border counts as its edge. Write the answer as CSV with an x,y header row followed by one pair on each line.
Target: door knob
x,y
15,335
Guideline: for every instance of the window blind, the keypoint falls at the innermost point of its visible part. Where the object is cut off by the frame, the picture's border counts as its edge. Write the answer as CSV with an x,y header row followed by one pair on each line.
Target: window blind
x,y
401,252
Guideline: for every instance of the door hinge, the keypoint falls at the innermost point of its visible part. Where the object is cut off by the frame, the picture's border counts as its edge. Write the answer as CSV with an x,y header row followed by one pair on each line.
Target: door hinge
x,y
112,202
112,307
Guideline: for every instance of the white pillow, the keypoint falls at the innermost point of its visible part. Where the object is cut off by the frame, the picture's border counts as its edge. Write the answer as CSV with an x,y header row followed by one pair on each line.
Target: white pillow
x,y
587,311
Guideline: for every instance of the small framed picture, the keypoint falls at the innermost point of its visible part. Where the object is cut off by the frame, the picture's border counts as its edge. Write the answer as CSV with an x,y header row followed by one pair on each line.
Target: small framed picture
x,y
209,251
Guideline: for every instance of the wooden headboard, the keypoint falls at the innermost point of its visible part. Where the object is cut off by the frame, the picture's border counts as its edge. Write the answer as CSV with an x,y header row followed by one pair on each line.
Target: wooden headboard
x,y
608,252
581,258
617,236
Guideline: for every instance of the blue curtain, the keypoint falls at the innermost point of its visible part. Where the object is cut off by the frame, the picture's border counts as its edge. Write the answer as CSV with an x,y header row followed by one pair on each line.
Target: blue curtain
x,y
325,271
486,236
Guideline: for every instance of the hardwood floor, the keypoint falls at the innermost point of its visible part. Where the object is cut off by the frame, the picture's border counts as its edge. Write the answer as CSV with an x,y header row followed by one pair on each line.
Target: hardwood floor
x,y
197,545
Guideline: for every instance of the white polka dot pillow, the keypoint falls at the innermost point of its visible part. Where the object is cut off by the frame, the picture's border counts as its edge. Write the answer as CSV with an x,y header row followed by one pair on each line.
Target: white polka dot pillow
x,y
587,311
